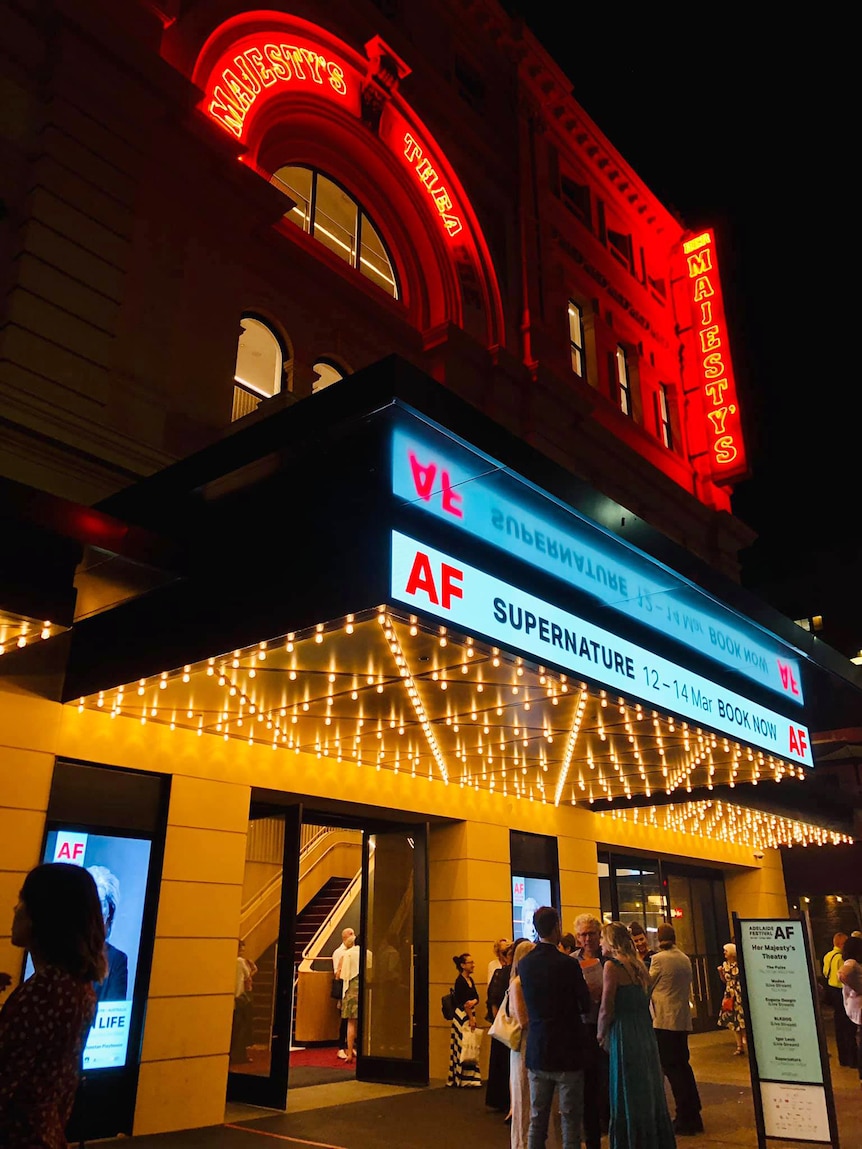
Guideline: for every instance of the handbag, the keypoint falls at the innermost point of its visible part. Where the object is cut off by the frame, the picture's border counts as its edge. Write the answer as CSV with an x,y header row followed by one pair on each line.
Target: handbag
x,y
505,1027
336,989
727,1005
447,1005
471,1044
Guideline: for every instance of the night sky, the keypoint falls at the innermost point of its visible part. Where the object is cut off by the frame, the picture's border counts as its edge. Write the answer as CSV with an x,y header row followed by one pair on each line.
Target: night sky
x,y
739,130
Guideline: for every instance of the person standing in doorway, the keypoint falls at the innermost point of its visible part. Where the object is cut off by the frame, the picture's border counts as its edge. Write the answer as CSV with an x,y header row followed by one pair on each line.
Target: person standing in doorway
x,y
845,1030
243,1014
555,996
348,971
337,955
670,1004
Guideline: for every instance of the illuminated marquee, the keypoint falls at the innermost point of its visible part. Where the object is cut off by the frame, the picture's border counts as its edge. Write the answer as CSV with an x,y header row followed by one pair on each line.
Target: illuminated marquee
x,y
470,599
435,475
425,171
260,64
724,430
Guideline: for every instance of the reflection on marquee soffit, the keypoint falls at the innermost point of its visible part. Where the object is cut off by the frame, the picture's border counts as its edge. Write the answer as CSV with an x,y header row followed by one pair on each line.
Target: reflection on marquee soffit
x,y
16,631
387,692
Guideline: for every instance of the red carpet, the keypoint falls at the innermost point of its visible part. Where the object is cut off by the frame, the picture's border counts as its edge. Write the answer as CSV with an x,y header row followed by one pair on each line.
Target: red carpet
x,y
325,1057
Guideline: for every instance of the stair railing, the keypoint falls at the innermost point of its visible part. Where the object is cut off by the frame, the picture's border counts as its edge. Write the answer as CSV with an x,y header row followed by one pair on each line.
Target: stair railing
x,y
311,953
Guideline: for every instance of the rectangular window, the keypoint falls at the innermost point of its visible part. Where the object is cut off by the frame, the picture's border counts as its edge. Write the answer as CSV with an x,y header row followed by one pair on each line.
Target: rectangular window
x,y
664,427
621,247
576,197
623,383
469,83
576,338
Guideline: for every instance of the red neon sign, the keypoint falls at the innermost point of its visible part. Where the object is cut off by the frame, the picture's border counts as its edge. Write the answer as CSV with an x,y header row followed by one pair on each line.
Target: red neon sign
x,y
718,386
261,64
428,177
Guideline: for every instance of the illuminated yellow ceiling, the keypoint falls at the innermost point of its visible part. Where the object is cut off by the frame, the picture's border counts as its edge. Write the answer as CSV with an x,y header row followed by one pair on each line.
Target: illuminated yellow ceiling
x,y
387,690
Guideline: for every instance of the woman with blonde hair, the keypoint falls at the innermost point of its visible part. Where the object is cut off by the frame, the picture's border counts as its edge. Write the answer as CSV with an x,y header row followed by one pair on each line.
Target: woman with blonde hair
x,y
501,945
730,1015
638,1108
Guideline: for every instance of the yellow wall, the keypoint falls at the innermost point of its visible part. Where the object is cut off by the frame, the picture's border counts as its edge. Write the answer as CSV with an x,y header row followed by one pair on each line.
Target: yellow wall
x,y
187,1031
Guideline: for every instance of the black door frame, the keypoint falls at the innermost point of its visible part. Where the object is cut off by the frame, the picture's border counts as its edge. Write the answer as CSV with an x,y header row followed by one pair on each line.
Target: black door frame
x,y
270,1092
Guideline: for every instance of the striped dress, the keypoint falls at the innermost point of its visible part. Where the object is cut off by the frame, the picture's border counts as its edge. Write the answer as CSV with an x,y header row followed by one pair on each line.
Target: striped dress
x,y
462,1076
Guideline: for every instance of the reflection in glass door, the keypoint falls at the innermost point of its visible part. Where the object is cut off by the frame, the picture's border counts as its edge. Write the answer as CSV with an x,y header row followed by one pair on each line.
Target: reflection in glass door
x,y
394,1012
263,990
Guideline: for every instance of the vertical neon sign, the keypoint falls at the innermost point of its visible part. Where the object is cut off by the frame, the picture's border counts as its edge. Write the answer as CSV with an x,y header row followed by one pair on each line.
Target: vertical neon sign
x,y
726,446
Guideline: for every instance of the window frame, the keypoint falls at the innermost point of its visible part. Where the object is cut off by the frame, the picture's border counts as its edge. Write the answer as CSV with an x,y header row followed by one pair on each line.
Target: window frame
x,y
363,219
663,412
577,346
623,381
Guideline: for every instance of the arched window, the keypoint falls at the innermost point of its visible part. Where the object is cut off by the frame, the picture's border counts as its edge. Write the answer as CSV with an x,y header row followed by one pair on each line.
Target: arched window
x,y
324,210
327,374
259,363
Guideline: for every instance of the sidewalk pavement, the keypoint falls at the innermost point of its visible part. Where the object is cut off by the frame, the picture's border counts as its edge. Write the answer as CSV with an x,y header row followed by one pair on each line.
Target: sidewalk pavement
x,y
359,1115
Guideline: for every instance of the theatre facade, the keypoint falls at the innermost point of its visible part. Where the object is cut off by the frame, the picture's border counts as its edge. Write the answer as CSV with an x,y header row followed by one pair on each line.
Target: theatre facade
x,y
369,433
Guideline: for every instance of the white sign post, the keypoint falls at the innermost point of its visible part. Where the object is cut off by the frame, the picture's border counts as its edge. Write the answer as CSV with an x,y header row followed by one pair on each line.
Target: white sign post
x,y
791,1084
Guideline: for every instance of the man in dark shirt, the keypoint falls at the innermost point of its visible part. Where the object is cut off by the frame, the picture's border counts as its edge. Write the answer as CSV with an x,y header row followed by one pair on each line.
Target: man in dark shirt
x,y
555,995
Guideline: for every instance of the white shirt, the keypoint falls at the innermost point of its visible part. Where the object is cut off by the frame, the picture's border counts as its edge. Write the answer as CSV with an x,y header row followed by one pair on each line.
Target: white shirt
x,y
349,965
336,957
243,970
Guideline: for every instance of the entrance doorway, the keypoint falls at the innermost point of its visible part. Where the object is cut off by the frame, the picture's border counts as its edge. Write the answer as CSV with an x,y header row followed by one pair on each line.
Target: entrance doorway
x,y
309,876
692,898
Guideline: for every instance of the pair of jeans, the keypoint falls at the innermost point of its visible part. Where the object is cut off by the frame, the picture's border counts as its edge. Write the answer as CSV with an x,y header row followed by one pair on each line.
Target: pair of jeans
x,y
569,1084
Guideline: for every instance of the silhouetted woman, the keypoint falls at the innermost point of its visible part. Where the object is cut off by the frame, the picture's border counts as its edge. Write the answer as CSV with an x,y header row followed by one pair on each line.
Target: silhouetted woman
x,y
45,1023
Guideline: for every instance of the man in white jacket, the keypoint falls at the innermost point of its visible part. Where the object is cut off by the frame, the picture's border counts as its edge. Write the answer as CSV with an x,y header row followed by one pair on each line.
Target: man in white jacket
x,y
670,972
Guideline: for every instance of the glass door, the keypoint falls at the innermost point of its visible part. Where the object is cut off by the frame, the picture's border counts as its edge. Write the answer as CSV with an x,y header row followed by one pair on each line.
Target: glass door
x,y
264,983
697,911
393,1015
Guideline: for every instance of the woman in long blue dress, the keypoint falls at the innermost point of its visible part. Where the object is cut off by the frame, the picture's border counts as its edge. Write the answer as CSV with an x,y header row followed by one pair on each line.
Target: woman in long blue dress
x,y
639,1114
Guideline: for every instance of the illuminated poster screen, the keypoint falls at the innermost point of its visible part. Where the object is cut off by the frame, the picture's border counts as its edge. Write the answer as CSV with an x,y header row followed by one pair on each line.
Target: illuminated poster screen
x,y
119,867
527,895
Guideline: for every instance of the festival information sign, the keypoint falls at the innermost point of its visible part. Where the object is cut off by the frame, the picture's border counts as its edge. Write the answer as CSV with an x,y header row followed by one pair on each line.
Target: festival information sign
x,y
793,1092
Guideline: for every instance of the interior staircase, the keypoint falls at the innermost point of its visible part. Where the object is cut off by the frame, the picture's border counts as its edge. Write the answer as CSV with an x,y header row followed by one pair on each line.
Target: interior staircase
x,y
316,912
308,922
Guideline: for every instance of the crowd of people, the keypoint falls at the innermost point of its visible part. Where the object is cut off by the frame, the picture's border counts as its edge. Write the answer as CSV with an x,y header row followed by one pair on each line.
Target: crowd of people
x,y
599,1034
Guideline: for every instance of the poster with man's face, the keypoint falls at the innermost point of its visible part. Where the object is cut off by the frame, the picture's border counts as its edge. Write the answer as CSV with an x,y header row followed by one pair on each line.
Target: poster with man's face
x,y
119,867
527,895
